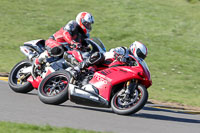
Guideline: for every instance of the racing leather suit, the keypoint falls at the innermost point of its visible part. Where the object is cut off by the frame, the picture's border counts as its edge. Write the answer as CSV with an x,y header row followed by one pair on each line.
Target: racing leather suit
x,y
120,53
94,59
69,36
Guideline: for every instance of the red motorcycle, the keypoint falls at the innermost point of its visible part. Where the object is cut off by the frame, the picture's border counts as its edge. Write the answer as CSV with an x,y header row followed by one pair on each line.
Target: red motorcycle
x,y
119,85
24,76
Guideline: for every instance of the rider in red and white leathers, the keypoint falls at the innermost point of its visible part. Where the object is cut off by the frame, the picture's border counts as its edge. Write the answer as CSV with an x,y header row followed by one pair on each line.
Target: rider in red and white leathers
x,y
137,49
72,35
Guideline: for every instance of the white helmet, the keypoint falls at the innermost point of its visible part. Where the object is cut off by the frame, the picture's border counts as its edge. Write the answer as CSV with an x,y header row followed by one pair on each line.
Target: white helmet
x,y
85,20
138,49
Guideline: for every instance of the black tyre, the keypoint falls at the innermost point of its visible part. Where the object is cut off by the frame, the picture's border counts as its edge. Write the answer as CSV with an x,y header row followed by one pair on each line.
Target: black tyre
x,y
54,88
18,81
125,106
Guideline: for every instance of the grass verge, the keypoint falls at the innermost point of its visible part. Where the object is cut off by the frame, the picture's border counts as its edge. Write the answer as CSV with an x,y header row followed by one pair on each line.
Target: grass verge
x,y
11,127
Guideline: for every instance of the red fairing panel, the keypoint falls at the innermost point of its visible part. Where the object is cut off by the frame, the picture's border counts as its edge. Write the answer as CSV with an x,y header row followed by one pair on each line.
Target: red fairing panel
x,y
35,83
147,82
48,72
104,80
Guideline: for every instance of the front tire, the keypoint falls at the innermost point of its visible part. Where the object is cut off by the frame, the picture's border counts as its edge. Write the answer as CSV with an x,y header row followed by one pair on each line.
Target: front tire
x,y
54,88
16,82
136,101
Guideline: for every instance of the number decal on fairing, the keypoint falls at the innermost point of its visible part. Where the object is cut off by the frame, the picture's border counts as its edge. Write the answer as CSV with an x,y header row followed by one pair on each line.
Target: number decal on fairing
x,y
104,72
99,78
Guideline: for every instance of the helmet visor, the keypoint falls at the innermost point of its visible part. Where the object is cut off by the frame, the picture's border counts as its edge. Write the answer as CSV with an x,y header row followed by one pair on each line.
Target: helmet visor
x,y
88,26
140,54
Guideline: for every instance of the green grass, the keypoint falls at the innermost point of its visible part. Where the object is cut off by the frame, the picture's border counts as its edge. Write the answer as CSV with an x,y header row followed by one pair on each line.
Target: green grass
x,y
10,127
169,28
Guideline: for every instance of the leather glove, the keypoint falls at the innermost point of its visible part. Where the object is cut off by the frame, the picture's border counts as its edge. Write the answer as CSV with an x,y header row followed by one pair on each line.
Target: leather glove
x,y
86,49
77,45
121,58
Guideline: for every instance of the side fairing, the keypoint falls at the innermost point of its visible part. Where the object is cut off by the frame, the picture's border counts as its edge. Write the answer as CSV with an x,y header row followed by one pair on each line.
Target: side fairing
x,y
104,80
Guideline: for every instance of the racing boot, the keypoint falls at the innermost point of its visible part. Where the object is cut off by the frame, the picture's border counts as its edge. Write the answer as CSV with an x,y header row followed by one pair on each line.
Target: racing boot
x,y
74,71
41,59
95,59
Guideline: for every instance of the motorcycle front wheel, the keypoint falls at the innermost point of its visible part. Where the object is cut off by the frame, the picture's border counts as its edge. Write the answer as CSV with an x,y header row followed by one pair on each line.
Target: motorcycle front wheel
x,y
126,105
18,81
54,88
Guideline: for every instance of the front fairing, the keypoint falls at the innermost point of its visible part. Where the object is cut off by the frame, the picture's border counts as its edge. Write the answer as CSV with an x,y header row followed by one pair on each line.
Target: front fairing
x,y
146,73
145,68
105,79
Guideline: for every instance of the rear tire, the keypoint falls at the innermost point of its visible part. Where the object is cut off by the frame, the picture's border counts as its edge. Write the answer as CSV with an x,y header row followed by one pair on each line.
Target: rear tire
x,y
137,101
24,86
54,88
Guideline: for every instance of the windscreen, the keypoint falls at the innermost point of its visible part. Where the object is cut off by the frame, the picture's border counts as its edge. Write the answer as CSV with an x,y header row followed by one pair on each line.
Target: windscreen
x,y
145,67
99,42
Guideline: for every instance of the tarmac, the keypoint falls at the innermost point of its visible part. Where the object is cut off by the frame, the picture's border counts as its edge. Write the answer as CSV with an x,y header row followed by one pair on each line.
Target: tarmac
x,y
4,77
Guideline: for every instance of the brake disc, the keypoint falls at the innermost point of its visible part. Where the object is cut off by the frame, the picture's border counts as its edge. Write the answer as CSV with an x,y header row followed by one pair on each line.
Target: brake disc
x,y
131,100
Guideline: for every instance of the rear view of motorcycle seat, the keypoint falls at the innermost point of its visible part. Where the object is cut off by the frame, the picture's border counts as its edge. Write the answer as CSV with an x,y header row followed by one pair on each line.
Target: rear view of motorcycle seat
x,y
41,44
38,45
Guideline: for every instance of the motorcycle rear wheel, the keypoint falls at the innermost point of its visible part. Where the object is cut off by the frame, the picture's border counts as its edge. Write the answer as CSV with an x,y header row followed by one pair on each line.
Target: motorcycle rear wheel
x,y
131,105
15,83
54,88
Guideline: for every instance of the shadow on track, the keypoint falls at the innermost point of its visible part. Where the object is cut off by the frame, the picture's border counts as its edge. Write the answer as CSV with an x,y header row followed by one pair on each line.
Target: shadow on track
x,y
142,115
106,110
166,118
31,93
139,114
162,110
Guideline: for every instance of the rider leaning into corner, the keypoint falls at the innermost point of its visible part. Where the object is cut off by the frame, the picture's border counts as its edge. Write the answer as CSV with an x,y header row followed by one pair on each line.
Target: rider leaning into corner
x,y
137,49
72,35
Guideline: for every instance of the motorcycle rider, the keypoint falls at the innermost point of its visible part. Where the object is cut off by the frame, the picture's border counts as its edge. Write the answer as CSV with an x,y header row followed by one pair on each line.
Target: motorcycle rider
x,y
72,35
137,49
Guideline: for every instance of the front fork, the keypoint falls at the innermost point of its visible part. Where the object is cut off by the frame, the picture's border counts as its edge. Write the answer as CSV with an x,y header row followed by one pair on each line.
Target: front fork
x,y
130,86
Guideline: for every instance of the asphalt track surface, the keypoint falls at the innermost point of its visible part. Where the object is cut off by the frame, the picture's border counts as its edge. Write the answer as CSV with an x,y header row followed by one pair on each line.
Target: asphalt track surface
x,y
27,108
